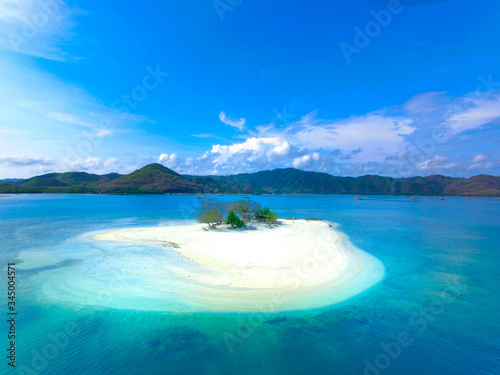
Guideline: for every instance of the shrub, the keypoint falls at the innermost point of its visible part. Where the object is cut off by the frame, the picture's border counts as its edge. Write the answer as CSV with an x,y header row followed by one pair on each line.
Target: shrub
x,y
210,212
234,220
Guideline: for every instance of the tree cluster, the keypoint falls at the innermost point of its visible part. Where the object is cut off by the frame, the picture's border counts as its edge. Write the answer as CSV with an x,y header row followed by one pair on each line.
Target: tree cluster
x,y
265,214
210,212
214,212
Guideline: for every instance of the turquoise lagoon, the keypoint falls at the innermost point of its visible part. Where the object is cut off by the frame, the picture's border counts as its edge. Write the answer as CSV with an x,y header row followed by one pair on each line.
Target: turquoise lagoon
x,y
434,312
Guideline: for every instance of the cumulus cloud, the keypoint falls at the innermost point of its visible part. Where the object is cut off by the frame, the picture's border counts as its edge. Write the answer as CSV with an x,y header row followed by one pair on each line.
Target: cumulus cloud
x,y
279,151
395,141
373,137
305,160
251,154
253,149
388,141
437,163
91,164
235,123
169,161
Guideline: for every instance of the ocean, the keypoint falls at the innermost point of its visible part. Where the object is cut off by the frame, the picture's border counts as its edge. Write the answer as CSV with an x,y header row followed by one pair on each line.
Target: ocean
x,y
434,312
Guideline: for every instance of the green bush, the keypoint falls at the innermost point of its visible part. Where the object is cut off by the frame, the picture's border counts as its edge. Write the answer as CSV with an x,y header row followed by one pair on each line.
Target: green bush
x,y
272,217
262,214
234,220
265,214
210,212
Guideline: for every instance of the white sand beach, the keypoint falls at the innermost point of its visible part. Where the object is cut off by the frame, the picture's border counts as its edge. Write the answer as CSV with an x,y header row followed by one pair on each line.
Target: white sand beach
x,y
296,265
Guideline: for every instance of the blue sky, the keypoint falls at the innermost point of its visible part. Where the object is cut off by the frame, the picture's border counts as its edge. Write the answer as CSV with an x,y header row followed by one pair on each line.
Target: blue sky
x,y
398,88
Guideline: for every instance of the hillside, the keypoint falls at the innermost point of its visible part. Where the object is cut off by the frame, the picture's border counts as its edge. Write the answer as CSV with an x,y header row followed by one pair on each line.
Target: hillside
x,y
158,179
153,178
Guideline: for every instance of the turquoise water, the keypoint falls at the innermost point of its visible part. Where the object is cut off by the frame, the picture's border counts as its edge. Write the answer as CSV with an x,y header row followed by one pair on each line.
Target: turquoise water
x,y
435,312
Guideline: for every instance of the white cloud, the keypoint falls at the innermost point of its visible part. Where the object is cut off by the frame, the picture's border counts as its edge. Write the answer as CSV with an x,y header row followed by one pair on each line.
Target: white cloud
x,y
304,161
435,164
479,158
96,125
69,118
100,133
235,123
478,163
49,116
90,164
5,132
22,160
169,161
204,135
374,136
251,154
390,141
23,165
279,151
301,161
253,148
425,103
471,112
36,27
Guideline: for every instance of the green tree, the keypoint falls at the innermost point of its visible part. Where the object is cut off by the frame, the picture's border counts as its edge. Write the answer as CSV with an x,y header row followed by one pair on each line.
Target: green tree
x,y
244,208
262,214
210,212
272,218
234,220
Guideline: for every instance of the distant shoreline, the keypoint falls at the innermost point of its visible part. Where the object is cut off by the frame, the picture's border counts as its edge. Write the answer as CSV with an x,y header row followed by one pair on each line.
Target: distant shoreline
x,y
260,195
158,179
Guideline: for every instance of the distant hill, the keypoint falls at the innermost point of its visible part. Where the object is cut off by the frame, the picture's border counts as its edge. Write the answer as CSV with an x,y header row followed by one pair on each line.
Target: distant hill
x,y
158,179
153,178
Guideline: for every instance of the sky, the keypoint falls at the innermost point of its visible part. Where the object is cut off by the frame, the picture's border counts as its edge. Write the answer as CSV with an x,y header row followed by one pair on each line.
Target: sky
x,y
395,88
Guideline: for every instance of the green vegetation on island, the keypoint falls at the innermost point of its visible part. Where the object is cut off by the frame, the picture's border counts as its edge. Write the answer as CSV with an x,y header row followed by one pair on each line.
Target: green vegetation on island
x,y
238,214
158,179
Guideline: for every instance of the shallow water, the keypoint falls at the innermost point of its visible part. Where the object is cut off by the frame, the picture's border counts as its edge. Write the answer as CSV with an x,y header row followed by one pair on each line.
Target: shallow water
x,y
440,293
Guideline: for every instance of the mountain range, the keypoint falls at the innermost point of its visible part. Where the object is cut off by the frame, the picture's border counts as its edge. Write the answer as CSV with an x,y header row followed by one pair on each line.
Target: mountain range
x,y
158,179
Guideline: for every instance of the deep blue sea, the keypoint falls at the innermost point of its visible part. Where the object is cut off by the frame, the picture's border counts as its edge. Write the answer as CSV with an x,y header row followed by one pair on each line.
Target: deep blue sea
x,y
436,311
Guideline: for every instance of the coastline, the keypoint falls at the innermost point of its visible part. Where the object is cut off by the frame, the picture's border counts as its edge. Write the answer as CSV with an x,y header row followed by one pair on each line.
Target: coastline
x,y
297,265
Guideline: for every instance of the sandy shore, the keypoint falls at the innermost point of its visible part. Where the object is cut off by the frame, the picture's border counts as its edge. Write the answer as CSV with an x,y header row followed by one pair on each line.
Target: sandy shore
x,y
296,265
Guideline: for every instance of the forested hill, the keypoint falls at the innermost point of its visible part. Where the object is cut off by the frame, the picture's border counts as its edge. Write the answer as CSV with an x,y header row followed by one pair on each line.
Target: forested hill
x,y
157,179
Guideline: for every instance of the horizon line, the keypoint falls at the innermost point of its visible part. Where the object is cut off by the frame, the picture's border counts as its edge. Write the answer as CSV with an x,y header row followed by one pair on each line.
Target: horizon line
x,y
240,173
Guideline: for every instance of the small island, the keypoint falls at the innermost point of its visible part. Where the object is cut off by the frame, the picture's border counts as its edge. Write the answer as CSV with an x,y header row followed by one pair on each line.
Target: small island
x,y
267,265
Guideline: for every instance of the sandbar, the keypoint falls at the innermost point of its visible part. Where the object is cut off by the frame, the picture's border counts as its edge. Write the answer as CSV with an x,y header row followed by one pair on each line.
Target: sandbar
x,y
296,265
